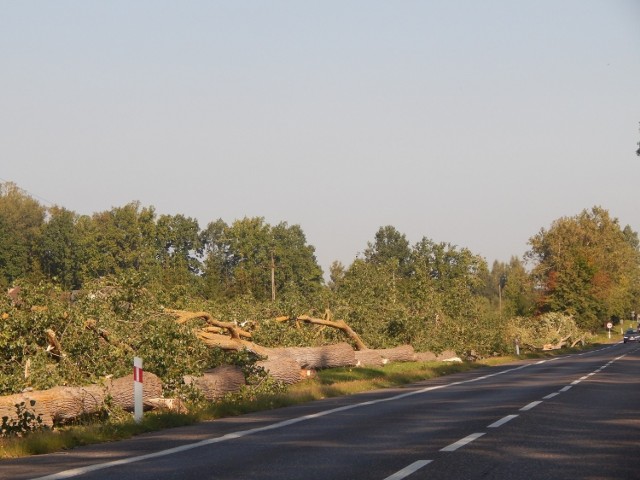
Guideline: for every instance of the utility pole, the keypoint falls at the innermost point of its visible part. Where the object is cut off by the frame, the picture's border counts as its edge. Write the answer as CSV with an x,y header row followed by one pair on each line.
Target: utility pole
x,y
501,284
273,278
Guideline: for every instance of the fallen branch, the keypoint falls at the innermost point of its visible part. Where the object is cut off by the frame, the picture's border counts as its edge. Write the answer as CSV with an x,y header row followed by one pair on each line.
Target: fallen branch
x,y
339,324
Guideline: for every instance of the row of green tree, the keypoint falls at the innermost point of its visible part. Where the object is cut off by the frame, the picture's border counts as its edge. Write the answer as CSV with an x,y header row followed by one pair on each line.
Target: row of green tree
x,y
433,295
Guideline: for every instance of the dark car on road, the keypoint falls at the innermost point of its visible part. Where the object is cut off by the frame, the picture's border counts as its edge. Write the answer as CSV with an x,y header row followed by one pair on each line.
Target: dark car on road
x,y
631,335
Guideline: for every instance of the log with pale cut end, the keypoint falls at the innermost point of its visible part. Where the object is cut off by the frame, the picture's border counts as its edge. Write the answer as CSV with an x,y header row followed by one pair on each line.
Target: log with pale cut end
x,y
60,404
121,390
218,382
56,404
283,368
327,356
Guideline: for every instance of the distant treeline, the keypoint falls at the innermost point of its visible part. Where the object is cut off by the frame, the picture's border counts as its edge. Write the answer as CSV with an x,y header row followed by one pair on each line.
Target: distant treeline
x,y
586,266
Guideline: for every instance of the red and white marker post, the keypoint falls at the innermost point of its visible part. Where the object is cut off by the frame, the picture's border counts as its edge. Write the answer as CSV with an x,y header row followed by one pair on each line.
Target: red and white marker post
x,y
137,389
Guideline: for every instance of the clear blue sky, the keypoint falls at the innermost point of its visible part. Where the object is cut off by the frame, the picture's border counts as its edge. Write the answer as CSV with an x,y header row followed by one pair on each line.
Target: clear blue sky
x,y
471,122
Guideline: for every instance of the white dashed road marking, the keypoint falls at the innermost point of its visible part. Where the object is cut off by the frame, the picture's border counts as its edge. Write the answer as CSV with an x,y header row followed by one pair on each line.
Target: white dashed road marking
x,y
408,470
531,405
462,442
502,421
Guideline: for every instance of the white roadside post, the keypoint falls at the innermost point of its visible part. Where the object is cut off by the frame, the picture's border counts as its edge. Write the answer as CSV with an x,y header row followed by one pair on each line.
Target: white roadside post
x,y
137,389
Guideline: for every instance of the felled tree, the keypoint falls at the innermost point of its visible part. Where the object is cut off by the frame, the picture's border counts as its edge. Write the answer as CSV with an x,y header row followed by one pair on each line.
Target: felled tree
x,y
59,404
547,332
363,354
288,365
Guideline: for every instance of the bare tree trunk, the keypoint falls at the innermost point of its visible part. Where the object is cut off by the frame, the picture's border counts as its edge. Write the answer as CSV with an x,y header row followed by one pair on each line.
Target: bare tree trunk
x,y
218,382
378,357
59,404
284,368
327,356
121,391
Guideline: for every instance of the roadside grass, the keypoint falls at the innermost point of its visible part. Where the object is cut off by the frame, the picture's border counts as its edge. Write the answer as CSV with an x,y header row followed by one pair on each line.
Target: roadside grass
x,y
328,383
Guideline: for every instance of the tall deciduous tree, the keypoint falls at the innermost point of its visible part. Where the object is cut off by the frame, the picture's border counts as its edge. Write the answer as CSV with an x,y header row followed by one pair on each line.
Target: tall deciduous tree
x,y
178,252
21,221
294,262
457,274
519,298
60,248
390,244
586,266
119,240
250,257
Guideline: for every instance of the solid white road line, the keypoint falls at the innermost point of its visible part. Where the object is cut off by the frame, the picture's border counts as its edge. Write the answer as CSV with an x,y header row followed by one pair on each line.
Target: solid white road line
x,y
408,470
502,421
462,442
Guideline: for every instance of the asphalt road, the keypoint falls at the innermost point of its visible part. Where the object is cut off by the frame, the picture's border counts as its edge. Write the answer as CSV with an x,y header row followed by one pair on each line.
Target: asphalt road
x,y
571,417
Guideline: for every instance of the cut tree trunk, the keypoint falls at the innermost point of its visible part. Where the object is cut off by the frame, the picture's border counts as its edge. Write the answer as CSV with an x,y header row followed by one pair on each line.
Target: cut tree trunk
x,y
218,382
57,404
60,404
284,368
327,356
369,358
401,353
425,356
379,357
121,391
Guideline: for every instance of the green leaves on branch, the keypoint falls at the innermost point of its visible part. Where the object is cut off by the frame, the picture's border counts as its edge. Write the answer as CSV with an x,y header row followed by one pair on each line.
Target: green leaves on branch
x,y
588,267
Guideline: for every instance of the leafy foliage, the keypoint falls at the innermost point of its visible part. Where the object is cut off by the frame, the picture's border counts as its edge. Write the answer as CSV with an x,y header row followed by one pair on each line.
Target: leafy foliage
x,y
250,257
588,267
548,329
24,422
99,331
100,283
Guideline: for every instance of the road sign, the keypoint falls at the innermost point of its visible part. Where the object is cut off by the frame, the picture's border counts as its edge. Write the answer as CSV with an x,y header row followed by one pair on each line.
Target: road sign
x,y
609,325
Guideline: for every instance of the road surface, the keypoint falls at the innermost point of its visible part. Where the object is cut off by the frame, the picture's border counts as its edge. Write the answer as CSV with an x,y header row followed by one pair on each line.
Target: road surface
x,y
570,417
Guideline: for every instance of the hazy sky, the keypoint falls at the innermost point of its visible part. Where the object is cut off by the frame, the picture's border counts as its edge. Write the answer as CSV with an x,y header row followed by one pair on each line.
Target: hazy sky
x,y
471,122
